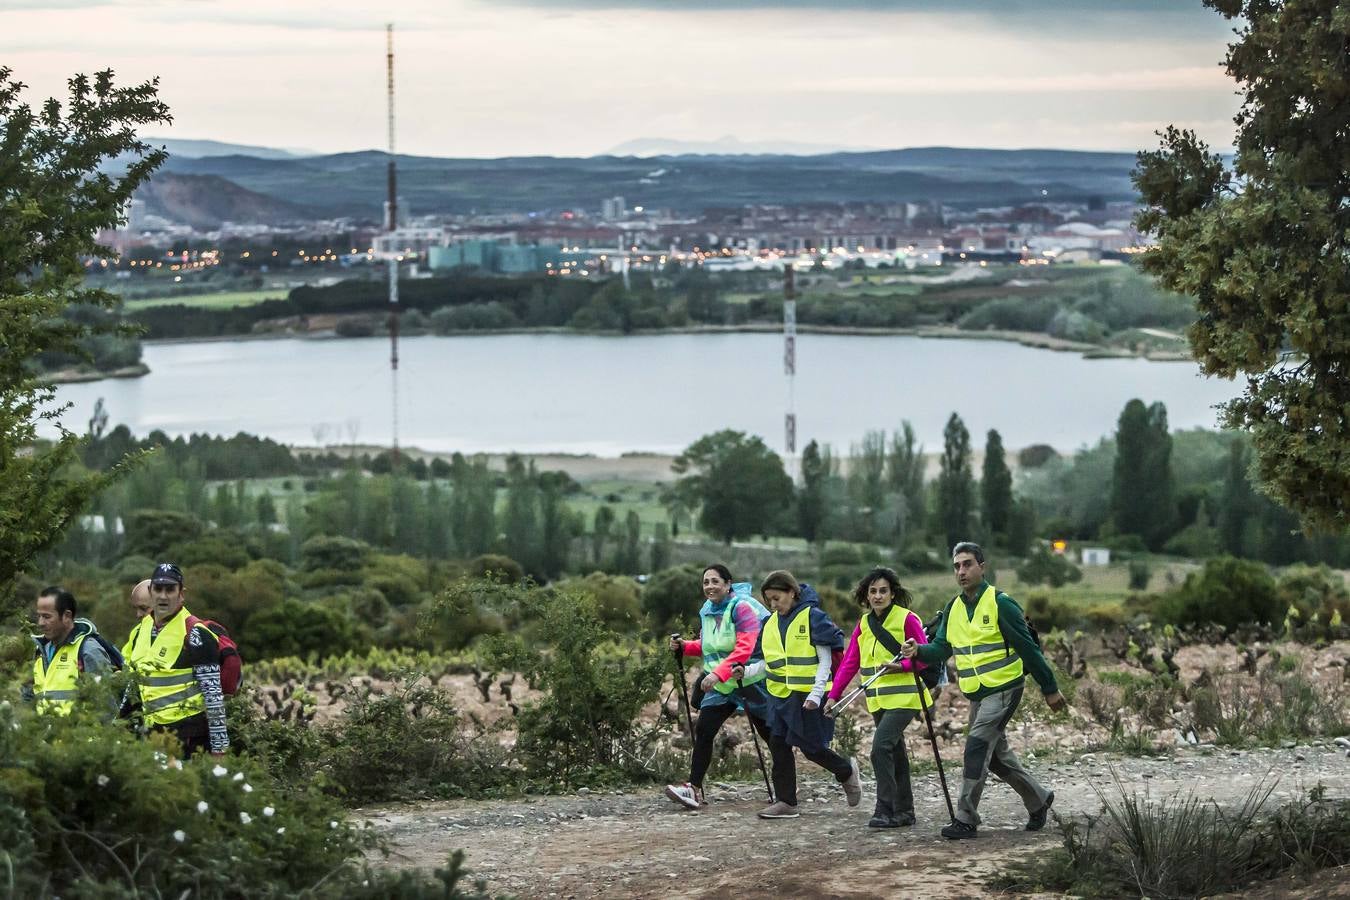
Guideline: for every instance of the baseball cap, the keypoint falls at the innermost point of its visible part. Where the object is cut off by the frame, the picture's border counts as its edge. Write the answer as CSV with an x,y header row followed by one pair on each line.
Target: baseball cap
x,y
166,573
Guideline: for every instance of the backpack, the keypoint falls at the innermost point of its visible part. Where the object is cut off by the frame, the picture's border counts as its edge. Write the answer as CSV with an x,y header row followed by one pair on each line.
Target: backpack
x,y
231,663
114,654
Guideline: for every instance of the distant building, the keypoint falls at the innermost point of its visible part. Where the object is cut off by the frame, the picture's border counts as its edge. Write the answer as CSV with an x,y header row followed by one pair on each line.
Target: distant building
x,y
613,209
493,256
1095,556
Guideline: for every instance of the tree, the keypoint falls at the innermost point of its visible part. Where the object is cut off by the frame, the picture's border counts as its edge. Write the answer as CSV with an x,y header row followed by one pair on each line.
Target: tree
x,y
904,476
739,483
1142,486
600,528
996,487
811,497
54,198
1262,247
955,487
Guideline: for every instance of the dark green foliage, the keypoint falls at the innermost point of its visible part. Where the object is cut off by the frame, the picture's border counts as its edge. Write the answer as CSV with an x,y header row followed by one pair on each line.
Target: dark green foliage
x,y
1142,484
996,487
333,553
955,485
1261,248
1139,575
151,532
737,483
1228,591
1044,567
297,628
811,497
576,732
56,199
672,597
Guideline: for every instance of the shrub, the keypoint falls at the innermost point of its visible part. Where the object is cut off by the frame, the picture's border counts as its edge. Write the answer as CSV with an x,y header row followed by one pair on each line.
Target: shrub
x,y
341,554
672,597
1313,590
296,628
1280,706
1044,567
1228,591
496,566
616,598
1140,573
150,532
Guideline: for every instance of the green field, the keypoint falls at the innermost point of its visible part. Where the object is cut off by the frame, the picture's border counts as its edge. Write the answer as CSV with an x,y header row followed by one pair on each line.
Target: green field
x,y
222,300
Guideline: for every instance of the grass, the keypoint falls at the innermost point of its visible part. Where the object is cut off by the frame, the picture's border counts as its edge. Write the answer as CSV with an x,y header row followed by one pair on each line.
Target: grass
x,y
221,300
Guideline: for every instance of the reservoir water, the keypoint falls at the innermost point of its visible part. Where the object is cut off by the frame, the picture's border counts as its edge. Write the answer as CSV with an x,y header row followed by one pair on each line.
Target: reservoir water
x,y
608,395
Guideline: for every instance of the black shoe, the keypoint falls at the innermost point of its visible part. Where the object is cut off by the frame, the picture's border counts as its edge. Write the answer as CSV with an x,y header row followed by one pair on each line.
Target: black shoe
x,y
880,821
903,820
1037,820
958,830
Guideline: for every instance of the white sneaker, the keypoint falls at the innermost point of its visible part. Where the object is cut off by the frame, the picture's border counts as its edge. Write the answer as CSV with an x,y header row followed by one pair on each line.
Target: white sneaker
x,y
686,795
779,810
853,787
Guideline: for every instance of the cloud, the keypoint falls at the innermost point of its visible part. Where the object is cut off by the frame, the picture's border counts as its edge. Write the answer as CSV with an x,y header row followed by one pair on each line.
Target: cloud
x,y
1186,78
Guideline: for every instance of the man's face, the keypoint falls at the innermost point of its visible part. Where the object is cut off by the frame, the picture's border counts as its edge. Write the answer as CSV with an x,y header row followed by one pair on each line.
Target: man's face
x,y
53,626
166,599
141,601
968,571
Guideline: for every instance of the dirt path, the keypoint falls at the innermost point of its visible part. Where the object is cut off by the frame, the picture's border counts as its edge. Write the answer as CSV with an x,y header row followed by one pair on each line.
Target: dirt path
x,y
638,844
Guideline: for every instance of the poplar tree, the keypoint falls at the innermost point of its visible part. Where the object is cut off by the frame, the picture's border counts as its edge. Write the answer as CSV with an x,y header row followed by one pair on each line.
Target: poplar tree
x,y
955,487
996,487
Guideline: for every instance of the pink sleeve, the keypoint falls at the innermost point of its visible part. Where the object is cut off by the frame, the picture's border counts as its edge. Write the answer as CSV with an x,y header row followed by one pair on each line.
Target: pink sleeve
x,y
693,648
745,645
848,666
914,631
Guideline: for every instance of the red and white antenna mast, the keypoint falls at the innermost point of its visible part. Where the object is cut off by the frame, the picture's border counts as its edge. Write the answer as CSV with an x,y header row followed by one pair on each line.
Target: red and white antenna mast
x,y
391,227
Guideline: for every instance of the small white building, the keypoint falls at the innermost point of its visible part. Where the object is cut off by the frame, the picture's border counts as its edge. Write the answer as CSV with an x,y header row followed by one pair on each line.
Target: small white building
x,y
1095,556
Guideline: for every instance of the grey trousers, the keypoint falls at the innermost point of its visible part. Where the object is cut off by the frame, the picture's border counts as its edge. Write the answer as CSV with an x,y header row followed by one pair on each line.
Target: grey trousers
x,y
987,751
890,764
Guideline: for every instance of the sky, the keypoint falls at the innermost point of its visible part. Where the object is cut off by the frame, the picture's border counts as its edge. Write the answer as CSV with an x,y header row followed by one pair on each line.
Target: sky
x,y
486,78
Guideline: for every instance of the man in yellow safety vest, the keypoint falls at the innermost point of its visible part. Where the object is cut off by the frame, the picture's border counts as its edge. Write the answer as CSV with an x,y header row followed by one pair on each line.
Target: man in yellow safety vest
x,y
63,651
988,634
176,666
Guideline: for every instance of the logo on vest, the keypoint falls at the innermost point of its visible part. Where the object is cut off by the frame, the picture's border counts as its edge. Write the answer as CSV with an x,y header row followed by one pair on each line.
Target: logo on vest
x,y
163,650
986,620
801,629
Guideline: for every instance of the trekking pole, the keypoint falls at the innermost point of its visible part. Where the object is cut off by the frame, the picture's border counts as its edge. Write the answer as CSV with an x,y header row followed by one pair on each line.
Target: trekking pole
x,y
859,690
684,688
755,737
932,736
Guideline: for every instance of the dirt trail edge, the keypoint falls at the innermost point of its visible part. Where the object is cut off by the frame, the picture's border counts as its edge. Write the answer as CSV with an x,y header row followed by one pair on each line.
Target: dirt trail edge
x,y
635,843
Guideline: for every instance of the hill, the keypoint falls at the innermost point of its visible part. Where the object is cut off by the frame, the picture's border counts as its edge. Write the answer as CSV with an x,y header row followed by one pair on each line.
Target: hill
x,y
204,201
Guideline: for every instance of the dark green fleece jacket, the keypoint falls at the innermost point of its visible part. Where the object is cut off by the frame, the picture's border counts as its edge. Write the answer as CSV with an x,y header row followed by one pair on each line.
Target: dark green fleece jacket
x,y
1012,622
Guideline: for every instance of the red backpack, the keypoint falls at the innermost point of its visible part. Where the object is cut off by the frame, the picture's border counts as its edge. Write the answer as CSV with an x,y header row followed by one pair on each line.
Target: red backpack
x,y
231,663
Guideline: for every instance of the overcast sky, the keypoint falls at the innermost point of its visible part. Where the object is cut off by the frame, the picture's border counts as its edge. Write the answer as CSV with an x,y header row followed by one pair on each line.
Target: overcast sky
x,y
578,77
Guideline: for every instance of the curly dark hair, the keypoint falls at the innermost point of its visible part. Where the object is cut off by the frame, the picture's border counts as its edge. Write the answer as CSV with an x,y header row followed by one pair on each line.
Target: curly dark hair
x,y
886,574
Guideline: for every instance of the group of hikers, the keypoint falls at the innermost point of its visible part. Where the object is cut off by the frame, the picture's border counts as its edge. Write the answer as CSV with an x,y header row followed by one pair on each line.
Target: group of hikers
x,y
181,666
788,666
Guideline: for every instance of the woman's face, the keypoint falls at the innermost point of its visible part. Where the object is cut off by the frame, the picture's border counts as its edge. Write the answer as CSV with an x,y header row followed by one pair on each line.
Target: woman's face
x,y
780,602
879,595
715,587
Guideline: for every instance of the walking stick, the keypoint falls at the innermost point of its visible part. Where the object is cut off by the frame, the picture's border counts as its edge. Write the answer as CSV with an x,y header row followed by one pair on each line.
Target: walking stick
x,y
858,691
932,736
755,737
684,688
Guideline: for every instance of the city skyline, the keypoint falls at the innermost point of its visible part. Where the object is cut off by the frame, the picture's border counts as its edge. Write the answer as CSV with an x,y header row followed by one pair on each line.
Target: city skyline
x,y
581,77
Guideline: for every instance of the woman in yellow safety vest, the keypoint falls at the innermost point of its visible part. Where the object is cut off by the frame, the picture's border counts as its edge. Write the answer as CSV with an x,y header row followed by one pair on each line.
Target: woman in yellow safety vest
x,y
798,643
893,698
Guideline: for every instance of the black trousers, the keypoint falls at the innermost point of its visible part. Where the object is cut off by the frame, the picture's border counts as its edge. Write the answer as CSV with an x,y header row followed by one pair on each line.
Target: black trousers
x,y
710,721
785,767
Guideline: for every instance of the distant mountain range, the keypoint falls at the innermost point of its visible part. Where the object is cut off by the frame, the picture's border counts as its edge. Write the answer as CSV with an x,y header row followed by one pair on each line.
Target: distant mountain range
x,y
198,149
726,146
281,186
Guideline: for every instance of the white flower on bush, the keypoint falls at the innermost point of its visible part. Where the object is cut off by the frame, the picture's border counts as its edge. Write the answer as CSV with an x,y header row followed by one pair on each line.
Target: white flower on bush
x,y
177,764
245,818
202,806
220,771
180,836
248,788
332,823
268,811
103,780
281,830
238,776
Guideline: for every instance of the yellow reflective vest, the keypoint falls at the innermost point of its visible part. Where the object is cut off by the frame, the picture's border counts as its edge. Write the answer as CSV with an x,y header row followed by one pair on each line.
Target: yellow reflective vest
x,y
897,690
54,683
168,694
790,667
983,658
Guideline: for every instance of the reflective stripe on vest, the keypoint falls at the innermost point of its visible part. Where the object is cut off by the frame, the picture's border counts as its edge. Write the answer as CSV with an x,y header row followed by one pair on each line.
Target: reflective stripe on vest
x,y
982,658
718,640
790,668
895,690
168,694
54,683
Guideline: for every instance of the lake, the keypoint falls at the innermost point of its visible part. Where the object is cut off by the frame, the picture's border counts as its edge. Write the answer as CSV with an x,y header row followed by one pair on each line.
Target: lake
x,y
609,395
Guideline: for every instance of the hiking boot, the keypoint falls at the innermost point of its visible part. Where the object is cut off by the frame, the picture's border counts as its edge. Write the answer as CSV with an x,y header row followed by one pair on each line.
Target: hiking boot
x,y
881,821
779,810
1037,820
903,820
958,831
853,786
686,795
